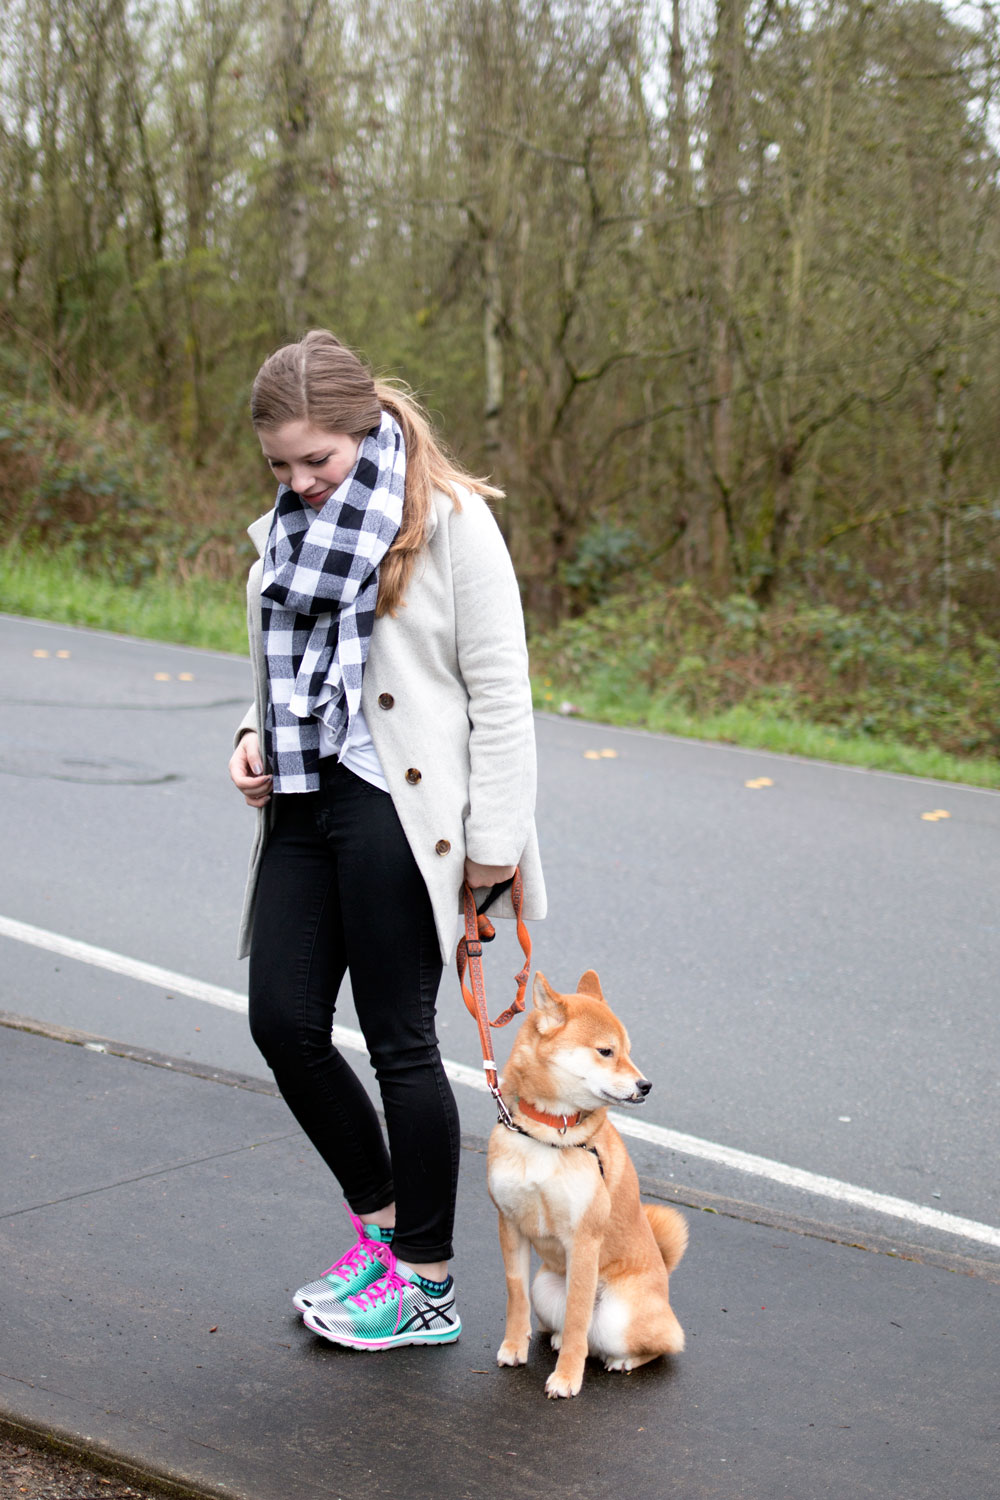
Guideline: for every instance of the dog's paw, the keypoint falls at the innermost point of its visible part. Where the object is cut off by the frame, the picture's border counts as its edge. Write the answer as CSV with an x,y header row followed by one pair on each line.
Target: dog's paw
x,y
559,1385
513,1353
625,1366
555,1339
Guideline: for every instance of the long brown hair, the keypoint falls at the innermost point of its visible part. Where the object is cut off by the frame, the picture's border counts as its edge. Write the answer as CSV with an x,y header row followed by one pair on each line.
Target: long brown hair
x,y
321,381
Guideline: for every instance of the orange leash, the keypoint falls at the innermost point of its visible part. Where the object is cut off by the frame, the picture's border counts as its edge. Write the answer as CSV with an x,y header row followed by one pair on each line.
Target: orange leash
x,y
479,930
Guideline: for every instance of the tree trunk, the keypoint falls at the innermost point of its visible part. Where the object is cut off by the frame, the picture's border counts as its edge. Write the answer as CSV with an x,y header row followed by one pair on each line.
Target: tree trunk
x,y
722,160
294,127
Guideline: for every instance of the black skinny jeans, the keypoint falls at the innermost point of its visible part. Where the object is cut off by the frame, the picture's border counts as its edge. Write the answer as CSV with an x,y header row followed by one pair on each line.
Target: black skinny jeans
x,y
340,890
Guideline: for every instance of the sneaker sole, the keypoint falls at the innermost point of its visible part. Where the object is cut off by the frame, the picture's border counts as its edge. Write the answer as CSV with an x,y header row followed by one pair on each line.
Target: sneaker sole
x,y
374,1346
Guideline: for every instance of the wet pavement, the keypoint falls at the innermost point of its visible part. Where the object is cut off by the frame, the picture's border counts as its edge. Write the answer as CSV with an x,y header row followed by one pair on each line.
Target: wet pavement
x,y
155,1217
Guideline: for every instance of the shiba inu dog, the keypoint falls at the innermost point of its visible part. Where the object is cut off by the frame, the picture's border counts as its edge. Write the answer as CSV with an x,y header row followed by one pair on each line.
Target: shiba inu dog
x,y
562,1182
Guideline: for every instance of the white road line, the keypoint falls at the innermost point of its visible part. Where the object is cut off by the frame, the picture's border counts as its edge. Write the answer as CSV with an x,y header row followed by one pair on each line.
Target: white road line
x,y
657,1135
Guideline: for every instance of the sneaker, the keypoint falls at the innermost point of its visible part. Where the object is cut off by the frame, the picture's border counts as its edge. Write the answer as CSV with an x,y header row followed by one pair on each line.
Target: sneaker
x,y
391,1311
357,1268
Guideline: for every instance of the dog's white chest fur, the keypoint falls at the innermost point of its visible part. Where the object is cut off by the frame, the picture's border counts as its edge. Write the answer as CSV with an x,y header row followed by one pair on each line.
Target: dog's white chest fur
x,y
541,1187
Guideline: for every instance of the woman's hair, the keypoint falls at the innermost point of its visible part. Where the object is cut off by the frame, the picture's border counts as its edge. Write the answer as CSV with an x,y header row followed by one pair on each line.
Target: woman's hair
x,y
321,381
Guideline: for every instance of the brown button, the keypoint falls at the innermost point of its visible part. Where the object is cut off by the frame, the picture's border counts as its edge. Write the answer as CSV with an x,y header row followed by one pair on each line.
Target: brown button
x,y
442,847
413,775
385,700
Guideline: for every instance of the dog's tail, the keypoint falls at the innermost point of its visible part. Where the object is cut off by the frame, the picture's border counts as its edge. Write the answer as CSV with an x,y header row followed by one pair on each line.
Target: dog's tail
x,y
670,1231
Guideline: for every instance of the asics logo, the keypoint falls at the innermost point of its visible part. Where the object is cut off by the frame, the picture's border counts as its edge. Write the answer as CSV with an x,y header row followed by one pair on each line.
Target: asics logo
x,y
427,1317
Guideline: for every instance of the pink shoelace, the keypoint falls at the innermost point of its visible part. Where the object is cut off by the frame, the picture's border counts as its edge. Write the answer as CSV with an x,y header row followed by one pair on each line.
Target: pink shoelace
x,y
350,1262
353,1260
380,1290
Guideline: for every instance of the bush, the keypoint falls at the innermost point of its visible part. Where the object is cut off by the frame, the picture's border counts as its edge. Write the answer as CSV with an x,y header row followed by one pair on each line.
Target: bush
x,y
880,673
109,490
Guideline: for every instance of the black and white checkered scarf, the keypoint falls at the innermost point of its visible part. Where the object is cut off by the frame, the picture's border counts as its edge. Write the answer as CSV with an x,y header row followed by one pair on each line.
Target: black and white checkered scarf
x,y
319,590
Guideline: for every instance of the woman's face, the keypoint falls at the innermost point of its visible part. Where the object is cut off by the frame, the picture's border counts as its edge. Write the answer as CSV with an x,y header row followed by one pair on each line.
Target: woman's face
x,y
309,460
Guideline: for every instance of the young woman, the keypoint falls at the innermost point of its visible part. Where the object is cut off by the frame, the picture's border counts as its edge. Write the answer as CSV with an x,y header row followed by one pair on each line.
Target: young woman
x,y
390,754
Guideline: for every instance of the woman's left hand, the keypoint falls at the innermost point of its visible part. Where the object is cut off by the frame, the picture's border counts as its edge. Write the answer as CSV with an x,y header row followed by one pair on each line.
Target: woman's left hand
x,y
479,875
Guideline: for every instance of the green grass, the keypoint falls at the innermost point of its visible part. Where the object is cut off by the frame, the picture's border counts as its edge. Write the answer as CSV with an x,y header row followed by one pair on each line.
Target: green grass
x,y
761,729
193,612
865,685
210,614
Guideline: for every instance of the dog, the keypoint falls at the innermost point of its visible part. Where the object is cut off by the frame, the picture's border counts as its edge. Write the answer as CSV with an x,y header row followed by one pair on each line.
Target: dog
x,y
562,1182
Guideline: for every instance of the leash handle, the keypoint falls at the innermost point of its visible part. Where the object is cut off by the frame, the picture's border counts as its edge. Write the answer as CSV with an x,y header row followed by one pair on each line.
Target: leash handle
x,y
479,929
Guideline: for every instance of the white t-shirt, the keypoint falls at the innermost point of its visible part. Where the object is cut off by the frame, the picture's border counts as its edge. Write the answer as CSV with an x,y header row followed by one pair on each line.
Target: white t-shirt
x,y
359,754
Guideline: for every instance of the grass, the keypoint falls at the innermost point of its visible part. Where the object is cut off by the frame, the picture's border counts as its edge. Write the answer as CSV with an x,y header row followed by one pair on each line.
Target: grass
x,y
761,729
190,612
210,614
865,684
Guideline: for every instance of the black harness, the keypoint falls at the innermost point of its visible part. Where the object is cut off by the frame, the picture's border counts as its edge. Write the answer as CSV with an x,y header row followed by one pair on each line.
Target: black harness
x,y
560,1145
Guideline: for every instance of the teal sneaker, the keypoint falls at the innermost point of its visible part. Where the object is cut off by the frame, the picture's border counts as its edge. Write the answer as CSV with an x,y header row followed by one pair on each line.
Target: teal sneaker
x,y
392,1311
357,1268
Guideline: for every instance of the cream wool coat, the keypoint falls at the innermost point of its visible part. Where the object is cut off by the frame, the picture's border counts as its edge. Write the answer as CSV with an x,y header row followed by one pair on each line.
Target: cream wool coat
x,y
448,703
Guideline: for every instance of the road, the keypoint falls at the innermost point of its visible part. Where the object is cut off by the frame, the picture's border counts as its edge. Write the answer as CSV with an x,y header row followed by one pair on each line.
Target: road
x,y
804,958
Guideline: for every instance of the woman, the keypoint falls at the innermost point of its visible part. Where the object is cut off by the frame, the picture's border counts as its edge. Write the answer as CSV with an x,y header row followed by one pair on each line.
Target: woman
x,y
390,752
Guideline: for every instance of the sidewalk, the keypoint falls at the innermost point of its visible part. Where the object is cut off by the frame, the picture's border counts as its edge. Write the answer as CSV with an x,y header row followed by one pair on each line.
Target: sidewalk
x,y
153,1224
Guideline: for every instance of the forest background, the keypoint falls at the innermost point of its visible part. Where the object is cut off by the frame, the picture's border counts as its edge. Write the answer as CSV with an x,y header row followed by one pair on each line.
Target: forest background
x,y
712,292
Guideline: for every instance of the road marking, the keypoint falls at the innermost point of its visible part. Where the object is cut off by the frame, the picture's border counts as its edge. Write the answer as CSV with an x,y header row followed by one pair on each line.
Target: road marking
x,y
117,963
656,1135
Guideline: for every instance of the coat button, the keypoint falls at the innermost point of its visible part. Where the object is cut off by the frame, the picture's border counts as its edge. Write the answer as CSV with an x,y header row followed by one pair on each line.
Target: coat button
x,y
413,775
385,700
442,847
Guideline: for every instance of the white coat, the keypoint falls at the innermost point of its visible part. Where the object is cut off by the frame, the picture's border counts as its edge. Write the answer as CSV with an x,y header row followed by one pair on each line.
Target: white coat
x,y
448,702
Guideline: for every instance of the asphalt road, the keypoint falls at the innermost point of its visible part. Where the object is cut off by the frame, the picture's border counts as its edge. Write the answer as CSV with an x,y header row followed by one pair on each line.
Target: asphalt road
x,y
805,961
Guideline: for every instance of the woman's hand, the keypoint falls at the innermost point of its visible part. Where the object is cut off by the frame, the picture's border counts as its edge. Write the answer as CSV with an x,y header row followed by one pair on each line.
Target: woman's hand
x,y
481,875
247,770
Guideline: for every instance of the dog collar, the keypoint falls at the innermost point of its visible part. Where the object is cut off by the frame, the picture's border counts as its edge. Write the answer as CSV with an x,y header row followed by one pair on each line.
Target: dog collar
x,y
562,1123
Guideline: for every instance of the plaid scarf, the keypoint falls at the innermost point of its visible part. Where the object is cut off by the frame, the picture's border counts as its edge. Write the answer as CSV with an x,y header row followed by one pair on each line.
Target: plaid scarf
x,y
318,596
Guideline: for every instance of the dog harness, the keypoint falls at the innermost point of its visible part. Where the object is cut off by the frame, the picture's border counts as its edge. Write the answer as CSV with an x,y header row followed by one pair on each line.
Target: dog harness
x,y
536,1114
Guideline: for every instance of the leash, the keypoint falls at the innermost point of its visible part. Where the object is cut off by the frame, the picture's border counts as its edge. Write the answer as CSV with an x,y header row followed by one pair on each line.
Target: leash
x,y
479,930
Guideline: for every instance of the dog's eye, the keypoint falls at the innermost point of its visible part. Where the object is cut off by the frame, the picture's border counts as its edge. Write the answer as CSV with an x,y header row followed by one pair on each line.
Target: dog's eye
x,y
605,1051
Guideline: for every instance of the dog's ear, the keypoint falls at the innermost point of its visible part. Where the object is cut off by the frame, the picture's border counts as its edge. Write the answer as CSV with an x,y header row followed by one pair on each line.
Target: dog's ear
x,y
590,985
548,1004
